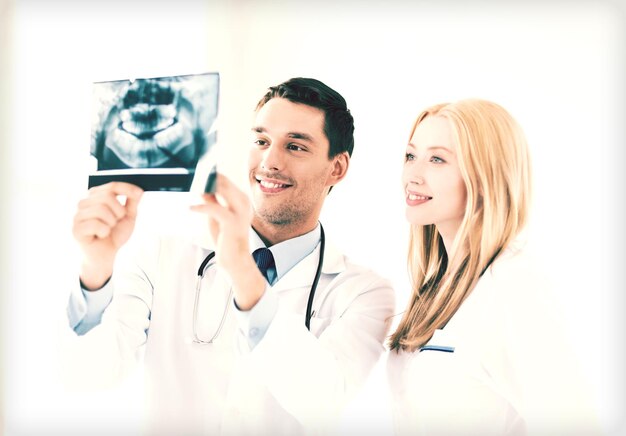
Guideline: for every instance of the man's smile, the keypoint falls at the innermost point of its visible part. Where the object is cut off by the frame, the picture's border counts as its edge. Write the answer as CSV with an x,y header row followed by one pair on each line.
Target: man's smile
x,y
271,185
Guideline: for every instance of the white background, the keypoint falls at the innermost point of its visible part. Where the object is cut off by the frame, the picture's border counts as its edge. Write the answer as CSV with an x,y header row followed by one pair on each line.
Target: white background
x,y
558,67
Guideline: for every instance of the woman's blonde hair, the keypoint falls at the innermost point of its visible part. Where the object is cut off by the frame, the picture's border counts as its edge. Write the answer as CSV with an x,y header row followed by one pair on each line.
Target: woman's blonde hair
x,y
495,165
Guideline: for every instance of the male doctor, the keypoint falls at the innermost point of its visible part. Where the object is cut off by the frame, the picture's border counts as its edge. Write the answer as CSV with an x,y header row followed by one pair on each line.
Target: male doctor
x,y
230,349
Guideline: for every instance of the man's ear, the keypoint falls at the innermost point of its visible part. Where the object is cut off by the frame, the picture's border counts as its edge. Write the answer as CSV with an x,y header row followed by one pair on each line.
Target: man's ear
x,y
341,162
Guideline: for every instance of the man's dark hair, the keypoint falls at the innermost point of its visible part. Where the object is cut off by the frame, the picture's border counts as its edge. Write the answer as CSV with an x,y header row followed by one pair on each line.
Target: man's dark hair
x,y
338,121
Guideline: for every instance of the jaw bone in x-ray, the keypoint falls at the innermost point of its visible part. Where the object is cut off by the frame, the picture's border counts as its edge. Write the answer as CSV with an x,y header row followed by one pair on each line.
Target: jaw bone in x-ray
x,y
152,132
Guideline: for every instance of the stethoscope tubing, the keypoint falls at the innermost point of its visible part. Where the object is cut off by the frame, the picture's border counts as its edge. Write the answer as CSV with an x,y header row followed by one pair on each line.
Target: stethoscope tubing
x,y
309,306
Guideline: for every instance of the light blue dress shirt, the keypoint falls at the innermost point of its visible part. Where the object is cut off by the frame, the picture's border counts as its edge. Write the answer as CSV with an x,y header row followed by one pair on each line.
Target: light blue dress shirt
x,y
287,254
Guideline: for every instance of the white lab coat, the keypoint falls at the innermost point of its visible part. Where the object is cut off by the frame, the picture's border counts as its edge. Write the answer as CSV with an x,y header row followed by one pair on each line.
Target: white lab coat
x,y
293,382
511,373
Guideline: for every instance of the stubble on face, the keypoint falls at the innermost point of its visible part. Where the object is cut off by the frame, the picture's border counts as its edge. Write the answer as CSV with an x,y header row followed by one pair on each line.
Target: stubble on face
x,y
294,210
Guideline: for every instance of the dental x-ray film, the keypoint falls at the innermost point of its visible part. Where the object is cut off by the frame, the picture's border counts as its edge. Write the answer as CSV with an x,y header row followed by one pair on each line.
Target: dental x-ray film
x,y
152,132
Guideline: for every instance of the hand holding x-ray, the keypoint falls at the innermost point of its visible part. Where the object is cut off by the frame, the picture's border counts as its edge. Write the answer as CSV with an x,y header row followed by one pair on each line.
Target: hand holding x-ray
x,y
104,221
229,216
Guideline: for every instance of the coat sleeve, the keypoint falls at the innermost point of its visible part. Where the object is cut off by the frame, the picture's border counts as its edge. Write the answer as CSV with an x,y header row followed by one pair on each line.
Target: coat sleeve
x,y
105,353
537,367
85,309
311,377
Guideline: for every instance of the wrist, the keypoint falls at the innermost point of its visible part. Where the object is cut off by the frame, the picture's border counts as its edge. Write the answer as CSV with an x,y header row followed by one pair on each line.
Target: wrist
x,y
93,286
94,277
248,286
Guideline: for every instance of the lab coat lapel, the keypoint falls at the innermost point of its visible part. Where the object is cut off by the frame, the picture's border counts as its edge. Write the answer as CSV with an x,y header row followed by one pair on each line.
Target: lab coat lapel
x,y
303,273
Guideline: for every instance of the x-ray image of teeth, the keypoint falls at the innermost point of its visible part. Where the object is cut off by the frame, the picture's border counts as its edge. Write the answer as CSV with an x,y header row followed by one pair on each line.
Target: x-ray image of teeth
x,y
153,124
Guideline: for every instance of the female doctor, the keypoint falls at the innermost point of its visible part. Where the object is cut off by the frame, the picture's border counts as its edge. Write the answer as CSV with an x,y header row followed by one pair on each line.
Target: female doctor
x,y
478,349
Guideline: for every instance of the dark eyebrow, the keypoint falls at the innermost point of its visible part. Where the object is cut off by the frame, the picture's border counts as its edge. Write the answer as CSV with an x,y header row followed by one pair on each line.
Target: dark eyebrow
x,y
293,135
303,136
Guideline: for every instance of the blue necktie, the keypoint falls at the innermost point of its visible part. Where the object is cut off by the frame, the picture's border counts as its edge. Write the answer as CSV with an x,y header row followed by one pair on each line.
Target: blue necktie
x,y
265,261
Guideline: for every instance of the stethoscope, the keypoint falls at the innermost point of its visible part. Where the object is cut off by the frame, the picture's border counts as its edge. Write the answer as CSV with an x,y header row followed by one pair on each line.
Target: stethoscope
x,y
202,270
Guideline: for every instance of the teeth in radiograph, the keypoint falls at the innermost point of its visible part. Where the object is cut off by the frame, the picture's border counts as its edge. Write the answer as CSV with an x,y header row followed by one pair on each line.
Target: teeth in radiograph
x,y
144,121
150,152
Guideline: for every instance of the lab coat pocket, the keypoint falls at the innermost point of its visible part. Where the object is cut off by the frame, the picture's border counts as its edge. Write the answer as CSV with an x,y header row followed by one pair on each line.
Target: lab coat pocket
x,y
439,358
453,395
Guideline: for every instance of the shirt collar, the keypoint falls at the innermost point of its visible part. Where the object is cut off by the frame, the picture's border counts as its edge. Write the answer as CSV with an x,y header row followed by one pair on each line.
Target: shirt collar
x,y
288,253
